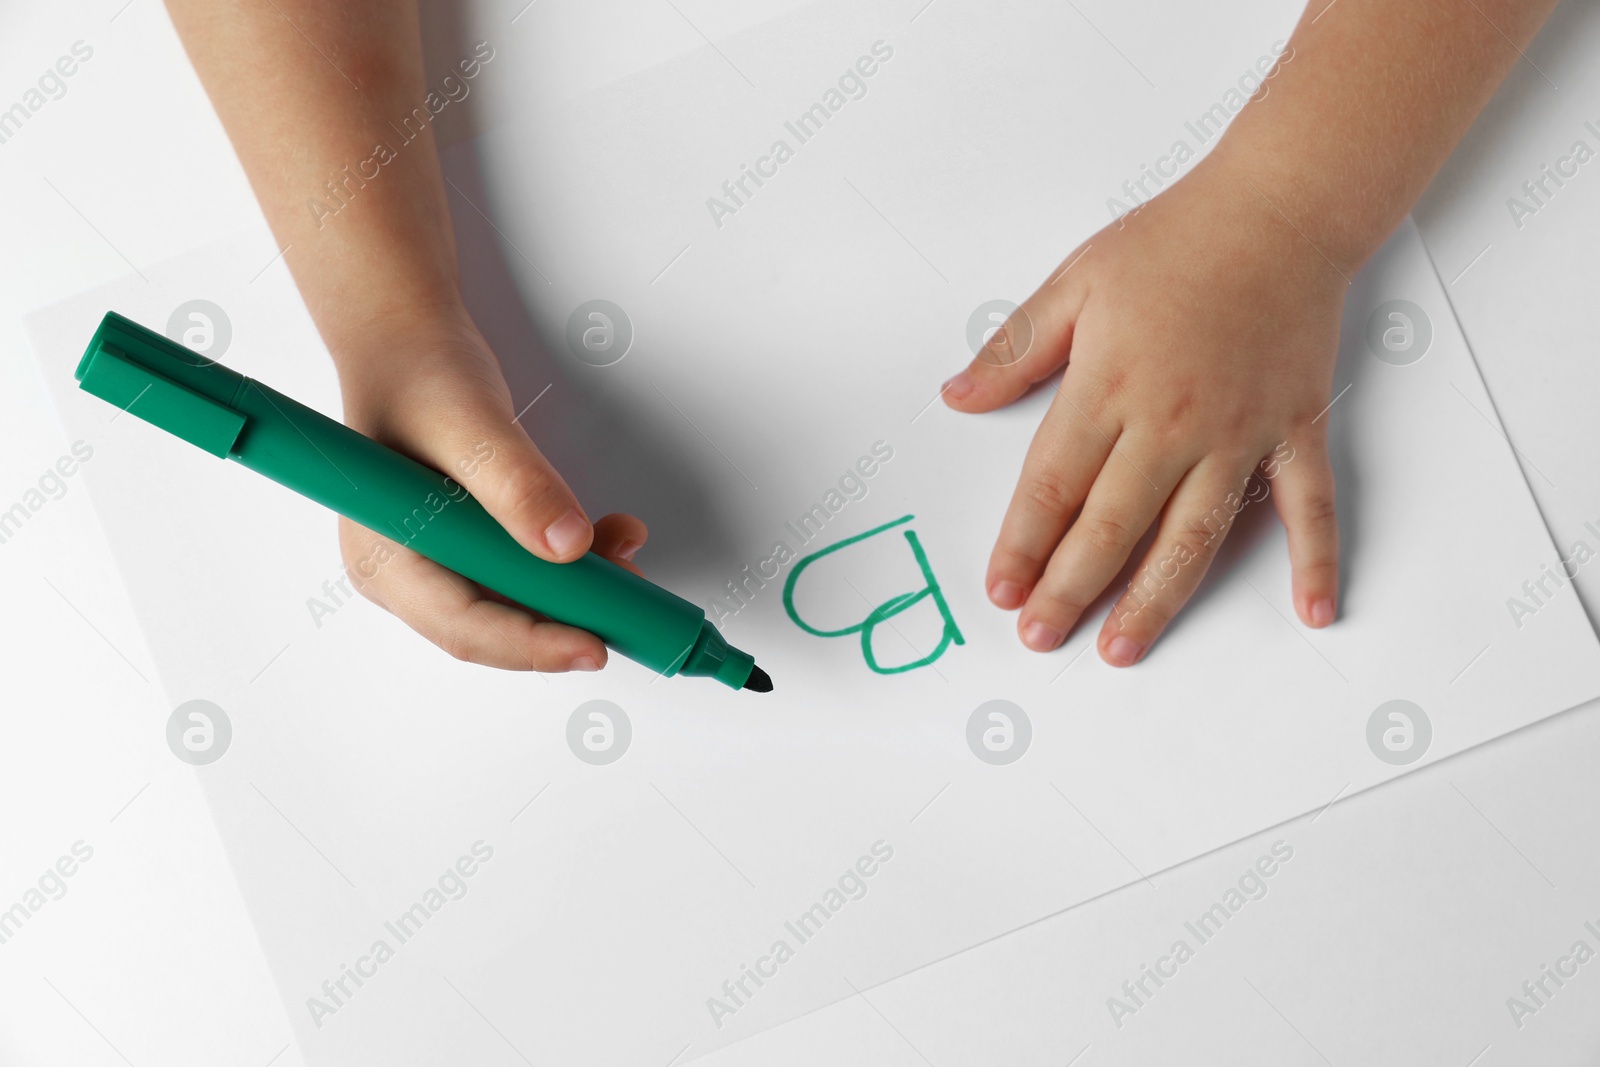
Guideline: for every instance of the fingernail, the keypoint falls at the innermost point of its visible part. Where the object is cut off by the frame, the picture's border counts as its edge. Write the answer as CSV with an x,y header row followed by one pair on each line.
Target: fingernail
x,y
567,534
1124,651
584,663
628,549
1041,638
959,386
1322,612
1007,595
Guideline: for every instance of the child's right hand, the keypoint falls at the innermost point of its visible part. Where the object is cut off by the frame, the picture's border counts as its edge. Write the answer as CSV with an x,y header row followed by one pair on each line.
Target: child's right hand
x,y
431,388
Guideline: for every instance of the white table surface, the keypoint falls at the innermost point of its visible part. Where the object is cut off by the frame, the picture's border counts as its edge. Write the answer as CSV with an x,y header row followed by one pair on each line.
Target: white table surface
x,y
1407,917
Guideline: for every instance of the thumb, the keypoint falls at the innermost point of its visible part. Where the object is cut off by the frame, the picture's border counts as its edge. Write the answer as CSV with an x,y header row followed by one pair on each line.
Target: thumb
x,y
1032,345
491,455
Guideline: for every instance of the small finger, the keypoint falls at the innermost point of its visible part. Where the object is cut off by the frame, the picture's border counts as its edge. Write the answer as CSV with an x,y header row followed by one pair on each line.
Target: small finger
x,y
1303,492
1066,455
1125,500
1195,523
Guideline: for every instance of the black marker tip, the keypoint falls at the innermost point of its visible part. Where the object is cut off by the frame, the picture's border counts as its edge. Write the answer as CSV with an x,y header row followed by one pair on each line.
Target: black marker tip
x,y
759,681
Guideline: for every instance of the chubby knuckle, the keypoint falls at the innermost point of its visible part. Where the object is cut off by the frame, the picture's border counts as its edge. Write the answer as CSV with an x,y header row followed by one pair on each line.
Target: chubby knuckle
x,y
1106,533
1004,346
1010,561
367,588
456,642
1048,491
351,554
1325,567
527,490
1233,454
1185,433
1320,512
1097,406
1159,612
1109,383
363,564
1152,613
1182,418
1199,541
1056,604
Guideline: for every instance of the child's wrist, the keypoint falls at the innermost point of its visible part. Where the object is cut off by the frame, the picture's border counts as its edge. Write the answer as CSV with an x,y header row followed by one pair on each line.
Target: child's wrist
x,y
372,335
1293,190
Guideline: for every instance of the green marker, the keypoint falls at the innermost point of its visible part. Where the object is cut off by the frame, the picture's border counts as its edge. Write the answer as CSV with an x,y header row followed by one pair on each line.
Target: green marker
x,y
236,418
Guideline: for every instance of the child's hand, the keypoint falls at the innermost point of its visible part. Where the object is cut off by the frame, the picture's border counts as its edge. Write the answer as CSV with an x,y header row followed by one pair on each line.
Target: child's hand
x,y
1202,332
1199,336
434,391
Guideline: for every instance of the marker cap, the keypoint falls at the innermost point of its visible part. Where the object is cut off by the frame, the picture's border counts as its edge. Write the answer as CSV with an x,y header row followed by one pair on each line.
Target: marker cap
x,y
163,383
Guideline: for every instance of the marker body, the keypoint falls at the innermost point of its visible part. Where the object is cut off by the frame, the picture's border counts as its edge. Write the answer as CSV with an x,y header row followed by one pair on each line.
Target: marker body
x,y
230,415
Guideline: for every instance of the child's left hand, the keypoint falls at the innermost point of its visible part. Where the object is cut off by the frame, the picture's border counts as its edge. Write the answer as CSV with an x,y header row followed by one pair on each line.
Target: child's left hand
x,y
1199,336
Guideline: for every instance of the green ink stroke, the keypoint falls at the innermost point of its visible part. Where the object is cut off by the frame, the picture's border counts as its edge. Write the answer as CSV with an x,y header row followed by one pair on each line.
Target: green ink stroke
x,y
885,611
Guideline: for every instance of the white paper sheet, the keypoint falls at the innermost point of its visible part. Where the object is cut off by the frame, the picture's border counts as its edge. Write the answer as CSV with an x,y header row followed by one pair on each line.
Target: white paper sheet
x,y
770,356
